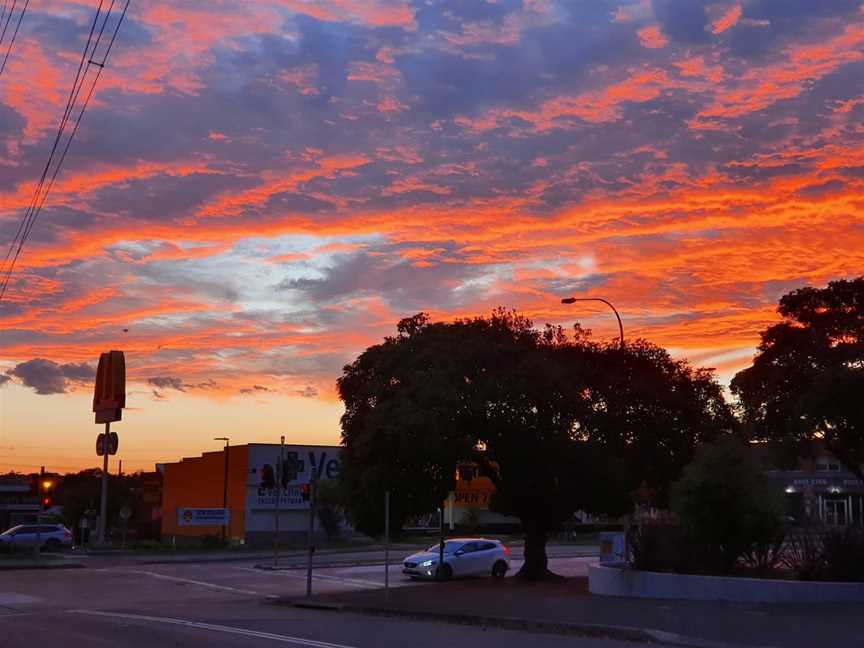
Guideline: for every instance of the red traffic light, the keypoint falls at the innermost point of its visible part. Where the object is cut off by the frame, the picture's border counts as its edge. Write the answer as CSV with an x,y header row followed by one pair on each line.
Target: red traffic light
x,y
46,502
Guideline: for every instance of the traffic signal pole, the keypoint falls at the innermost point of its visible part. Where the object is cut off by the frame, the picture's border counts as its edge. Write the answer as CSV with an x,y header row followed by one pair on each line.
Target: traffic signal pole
x,y
311,549
39,514
103,499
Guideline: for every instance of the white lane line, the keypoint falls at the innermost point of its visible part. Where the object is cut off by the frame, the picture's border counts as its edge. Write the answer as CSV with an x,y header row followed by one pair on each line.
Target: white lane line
x,y
225,588
354,582
218,628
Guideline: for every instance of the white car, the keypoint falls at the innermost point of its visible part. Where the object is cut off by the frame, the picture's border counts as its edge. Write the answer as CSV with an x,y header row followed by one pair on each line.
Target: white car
x,y
462,557
52,537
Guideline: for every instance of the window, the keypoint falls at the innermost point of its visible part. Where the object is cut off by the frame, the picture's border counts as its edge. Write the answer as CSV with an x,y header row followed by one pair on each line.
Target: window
x,y
836,512
470,547
486,546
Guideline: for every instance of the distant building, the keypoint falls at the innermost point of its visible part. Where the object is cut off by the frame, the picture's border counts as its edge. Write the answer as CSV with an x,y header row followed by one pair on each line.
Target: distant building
x,y
192,490
19,502
821,488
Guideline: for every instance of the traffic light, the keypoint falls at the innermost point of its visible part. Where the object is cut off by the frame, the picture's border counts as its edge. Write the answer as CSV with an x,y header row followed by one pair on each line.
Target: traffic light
x,y
46,491
305,492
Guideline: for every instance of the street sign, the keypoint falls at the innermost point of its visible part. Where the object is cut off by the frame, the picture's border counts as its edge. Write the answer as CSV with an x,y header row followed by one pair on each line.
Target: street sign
x,y
109,394
203,516
113,443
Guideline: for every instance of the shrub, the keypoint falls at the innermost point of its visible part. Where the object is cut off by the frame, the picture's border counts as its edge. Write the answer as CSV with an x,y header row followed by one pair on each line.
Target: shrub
x,y
727,506
843,554
658,547
804,555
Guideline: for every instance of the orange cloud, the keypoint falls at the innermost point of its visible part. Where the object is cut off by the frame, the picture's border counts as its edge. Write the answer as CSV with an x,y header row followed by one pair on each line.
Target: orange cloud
x,y
728,20
652,38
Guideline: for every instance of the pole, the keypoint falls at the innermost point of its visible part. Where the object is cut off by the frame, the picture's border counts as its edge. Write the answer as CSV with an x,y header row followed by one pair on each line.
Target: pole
x,y
440,572
103,501
573,300
386,544
310,549
39,513
225,494
279,473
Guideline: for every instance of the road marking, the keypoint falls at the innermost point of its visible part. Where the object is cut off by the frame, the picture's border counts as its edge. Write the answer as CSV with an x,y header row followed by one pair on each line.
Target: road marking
x,y
218,628
225,588
354,582
14,598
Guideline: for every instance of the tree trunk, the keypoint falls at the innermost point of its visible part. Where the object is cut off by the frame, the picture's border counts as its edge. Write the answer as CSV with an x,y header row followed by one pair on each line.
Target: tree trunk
x,y
536,565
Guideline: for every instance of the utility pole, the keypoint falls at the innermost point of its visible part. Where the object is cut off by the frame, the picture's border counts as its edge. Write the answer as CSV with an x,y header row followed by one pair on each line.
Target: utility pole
x,y
280,472
311,549
387,544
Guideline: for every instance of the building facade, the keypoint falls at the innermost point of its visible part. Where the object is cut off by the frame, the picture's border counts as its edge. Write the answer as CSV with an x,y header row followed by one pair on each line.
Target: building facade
x,y
821,489
193,490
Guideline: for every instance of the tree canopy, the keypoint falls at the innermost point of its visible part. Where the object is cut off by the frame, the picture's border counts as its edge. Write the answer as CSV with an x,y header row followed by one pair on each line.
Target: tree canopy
x,y
563,423
807,380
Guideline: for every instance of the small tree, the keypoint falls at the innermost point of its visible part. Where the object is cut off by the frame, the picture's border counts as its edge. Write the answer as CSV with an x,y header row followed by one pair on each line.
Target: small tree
x,y
329,507
726,504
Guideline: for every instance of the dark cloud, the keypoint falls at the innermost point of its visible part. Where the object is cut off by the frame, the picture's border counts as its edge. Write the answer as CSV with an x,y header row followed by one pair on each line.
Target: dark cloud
x,y
683,20
403,284
256,388
167,382
48,377
309,391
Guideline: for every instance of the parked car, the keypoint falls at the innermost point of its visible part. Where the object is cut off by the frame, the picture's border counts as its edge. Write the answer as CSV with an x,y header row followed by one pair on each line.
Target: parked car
x,y
52,537
462,557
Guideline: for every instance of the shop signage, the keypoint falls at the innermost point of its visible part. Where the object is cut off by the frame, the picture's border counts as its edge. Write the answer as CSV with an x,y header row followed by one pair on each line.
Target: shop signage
x,y
203,516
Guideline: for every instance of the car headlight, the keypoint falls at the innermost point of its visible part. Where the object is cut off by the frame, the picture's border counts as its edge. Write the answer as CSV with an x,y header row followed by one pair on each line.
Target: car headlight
x,y
427,563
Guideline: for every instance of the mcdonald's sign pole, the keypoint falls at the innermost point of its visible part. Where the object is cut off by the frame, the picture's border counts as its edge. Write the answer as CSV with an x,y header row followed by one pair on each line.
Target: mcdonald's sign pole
x,y
109,399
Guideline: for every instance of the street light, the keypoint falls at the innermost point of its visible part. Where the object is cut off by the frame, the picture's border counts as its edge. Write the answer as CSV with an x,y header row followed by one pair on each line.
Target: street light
x,y
573,300
224,485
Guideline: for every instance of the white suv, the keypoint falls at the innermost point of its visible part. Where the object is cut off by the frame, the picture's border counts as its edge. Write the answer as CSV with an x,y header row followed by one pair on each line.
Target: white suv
x,y
462,557
51,536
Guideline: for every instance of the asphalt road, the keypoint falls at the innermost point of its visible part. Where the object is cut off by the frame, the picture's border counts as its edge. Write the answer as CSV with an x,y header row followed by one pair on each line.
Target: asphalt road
x,y
228,604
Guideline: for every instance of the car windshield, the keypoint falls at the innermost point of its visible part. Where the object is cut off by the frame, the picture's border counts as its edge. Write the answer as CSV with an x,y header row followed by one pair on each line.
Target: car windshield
x,y
449,547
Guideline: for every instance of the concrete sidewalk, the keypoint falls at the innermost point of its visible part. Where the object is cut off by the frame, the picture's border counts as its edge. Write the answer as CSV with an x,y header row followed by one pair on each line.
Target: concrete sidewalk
x,y
567,607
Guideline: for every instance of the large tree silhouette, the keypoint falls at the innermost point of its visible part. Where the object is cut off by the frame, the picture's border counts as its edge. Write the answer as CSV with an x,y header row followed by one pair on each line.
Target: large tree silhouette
x,y
807,381
562,424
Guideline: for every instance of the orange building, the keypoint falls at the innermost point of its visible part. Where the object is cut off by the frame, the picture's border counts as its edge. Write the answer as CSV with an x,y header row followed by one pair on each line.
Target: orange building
x,y
193,488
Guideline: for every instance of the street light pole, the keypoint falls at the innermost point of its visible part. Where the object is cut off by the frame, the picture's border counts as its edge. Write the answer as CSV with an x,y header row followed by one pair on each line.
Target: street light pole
x,y
225,487
573,300
280,476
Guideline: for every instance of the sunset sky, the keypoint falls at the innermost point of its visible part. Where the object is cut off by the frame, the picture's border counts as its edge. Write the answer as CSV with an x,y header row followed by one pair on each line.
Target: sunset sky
x,y
261,189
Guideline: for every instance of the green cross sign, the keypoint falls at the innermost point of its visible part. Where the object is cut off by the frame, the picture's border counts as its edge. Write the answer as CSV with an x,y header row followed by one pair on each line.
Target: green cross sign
x,y
292,466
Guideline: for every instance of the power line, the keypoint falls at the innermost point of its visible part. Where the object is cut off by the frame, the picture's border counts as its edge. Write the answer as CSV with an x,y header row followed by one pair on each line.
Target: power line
x,y
40,195
15,33
66,112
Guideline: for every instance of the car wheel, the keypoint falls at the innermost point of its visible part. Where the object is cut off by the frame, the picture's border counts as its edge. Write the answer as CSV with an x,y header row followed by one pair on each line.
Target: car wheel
x,y
445,572
499,569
